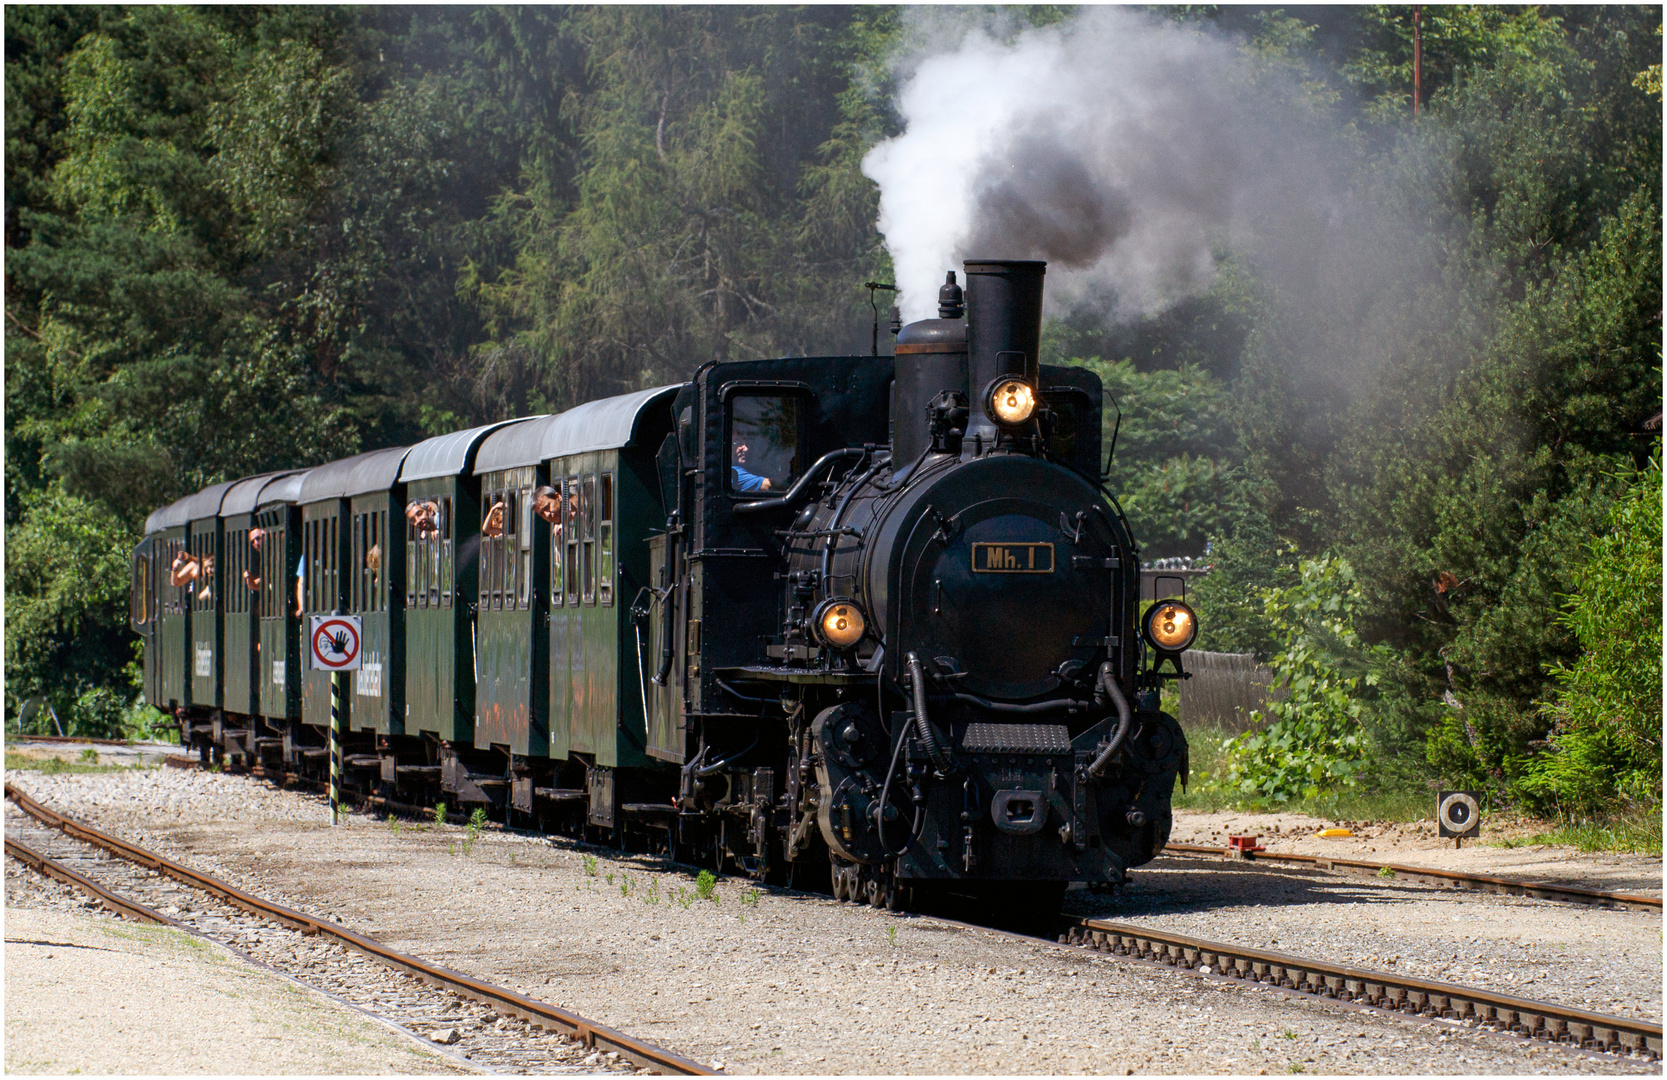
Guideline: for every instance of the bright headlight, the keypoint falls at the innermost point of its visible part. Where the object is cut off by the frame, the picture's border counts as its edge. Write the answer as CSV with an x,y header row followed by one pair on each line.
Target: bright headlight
x,y
840,623
1011,402
1170,626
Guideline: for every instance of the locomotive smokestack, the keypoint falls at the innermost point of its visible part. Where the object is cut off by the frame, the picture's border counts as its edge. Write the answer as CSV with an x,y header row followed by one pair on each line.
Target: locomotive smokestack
x,y
1004,335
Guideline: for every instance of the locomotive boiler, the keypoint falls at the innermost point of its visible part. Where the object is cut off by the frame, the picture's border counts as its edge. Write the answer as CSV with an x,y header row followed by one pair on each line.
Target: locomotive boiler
x,y
869,624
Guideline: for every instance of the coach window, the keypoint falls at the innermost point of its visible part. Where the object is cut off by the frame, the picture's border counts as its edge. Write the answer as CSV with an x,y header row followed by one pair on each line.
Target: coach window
x,y
236,593
356,580
201,595
511,541
485,575
764,442
605,539
309,569
587,537
492,563
316,567
524,544
558,584
570,517
140,613
410,562
446,567
379,572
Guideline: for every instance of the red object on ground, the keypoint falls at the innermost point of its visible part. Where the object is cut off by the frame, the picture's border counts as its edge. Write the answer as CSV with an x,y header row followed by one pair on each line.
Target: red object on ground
x,y
1244,845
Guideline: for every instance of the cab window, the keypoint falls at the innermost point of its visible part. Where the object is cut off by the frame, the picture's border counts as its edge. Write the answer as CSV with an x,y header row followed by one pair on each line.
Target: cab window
x,y
764,442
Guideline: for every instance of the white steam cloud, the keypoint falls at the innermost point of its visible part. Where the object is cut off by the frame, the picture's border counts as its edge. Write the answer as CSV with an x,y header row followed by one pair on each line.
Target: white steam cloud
x,y
1124,150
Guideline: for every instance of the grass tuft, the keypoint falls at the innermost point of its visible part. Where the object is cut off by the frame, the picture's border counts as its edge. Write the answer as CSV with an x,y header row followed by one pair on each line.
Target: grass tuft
x,y
54,766
1631,836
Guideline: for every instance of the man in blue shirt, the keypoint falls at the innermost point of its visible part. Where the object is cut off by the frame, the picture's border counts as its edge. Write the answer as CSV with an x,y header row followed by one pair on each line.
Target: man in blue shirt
x,y
744,480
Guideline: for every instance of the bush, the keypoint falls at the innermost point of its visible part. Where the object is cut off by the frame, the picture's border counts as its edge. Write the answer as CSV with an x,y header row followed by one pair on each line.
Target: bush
x,y
1315,742
1606,744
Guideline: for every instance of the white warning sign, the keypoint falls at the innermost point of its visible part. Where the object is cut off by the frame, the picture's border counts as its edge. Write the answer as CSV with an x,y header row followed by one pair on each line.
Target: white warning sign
x,y
335,642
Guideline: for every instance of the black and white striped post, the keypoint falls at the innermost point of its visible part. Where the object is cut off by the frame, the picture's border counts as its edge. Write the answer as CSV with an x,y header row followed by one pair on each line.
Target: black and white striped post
x,y
335,648
335,748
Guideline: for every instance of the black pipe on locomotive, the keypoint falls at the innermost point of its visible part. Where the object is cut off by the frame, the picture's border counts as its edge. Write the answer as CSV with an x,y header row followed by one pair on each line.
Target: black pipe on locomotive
x,y
977,601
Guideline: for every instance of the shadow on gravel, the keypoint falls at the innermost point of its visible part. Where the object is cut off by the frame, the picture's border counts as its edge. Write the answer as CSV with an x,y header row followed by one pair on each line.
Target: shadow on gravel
x,y
1178,886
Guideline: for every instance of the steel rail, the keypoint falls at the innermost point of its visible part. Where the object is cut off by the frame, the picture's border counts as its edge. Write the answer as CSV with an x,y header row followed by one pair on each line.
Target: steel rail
x,y
1541,1020
52,868
1449,878
589,1032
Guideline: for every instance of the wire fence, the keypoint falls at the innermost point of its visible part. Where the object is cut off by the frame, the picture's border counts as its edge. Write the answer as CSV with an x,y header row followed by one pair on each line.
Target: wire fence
x,y
1224,690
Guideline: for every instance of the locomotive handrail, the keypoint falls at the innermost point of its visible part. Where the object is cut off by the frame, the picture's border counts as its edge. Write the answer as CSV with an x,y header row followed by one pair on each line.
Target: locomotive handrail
x,y
792,494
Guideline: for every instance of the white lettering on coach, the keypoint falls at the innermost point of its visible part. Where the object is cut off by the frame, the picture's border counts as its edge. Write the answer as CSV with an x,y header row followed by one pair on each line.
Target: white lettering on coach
x,y
205,660
278,673
370,677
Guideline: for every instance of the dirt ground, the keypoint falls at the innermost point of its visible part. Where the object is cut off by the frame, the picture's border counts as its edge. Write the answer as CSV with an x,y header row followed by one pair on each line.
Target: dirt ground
x,y
86,993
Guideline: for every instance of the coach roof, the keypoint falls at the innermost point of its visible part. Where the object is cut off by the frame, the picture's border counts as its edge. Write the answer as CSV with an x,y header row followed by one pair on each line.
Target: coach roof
x,y
377,470
607,424
285,489
205,503
446,455
245,495
167,517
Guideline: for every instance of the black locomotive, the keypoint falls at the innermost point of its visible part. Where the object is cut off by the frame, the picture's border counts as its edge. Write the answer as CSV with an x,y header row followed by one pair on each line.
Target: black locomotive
x,y
860,623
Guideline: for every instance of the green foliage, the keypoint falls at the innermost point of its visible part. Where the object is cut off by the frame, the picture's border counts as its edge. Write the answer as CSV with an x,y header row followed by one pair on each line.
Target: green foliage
x,y
1606,745
66,605
473,829
679,239
438,813
706,886
1313,741
1455,39
590,865
1174,464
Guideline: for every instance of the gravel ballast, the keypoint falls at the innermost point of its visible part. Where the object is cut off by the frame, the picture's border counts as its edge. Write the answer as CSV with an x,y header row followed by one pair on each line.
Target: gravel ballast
x,y
775,982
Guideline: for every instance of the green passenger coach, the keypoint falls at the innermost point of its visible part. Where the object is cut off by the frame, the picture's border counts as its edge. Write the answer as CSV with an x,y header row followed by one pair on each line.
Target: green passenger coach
x,y
241,584
342,505
441,551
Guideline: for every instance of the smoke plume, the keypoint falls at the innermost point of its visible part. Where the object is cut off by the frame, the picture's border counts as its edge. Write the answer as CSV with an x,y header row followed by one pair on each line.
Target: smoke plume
x,y
1124,150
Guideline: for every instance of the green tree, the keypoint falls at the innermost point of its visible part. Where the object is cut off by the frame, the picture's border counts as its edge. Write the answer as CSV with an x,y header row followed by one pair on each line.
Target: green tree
x,y
1605,750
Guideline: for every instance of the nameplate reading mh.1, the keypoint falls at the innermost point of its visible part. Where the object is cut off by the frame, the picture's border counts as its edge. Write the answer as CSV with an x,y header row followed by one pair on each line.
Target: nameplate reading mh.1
x,y
1020,558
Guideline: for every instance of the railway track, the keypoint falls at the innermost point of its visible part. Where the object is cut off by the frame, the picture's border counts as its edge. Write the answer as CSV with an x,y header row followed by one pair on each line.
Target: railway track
x,y
1467,1005
1472,1007
527,1036
1451,879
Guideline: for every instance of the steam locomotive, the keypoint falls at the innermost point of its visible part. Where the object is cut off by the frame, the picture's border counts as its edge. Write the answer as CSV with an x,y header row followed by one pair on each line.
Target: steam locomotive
x,y
864,624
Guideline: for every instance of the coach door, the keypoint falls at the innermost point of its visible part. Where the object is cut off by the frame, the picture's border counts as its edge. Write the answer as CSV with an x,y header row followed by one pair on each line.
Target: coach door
x,y
174,638
323,553
142,613
205,615
379,682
